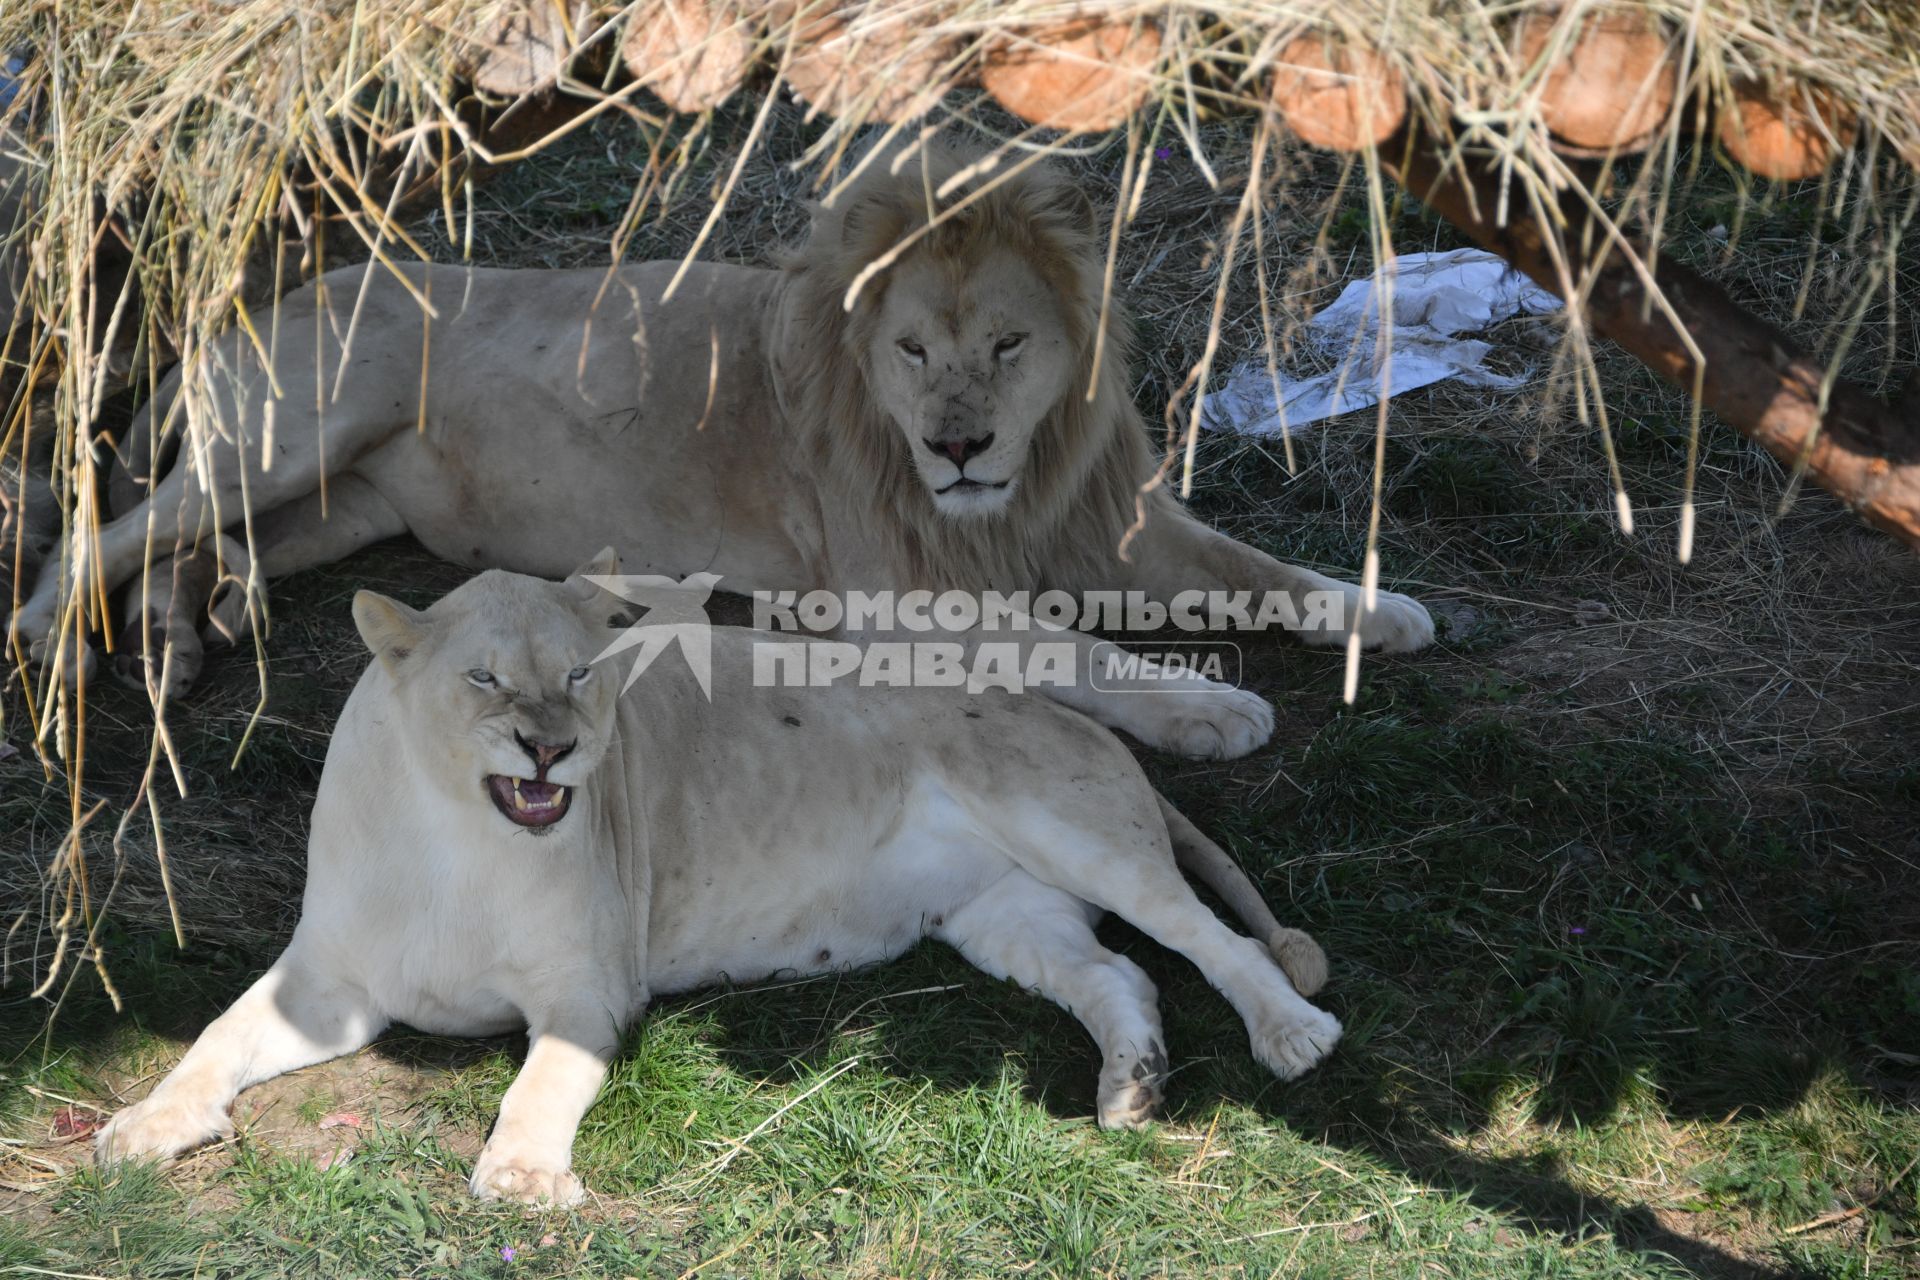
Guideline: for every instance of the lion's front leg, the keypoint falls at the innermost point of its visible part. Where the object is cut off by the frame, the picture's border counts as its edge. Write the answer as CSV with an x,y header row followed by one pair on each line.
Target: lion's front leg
x,y
529,1156
1177,554
1178,711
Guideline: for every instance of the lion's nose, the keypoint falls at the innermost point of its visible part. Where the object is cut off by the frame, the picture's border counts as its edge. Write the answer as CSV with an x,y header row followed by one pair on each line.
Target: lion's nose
x,y
960,450
544,754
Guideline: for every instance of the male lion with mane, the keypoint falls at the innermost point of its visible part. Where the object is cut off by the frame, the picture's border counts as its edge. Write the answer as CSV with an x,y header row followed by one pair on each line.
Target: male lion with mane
x,y
777,427
503,838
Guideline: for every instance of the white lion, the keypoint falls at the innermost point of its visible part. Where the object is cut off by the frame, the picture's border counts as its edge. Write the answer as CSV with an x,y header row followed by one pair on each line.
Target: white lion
x,y
502,838
963,419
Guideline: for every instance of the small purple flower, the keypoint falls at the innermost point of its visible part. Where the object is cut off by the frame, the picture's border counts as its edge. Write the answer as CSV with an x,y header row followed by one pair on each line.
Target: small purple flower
x,y
1576,929
1162,153
506,1254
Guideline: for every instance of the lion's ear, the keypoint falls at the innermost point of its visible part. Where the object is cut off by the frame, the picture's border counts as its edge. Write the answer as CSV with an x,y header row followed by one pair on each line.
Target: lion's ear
x,y
389,628
1070,204
871,223
605,565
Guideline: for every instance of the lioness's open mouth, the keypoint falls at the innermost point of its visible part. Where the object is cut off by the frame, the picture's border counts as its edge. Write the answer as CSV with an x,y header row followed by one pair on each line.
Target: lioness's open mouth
x,y
527,802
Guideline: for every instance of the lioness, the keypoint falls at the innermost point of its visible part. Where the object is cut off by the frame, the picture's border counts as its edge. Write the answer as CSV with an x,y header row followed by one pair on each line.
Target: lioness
x,y
942,426
501,837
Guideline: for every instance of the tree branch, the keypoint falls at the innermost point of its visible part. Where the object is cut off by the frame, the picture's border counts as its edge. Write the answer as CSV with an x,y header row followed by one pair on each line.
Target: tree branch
x,y
1863,451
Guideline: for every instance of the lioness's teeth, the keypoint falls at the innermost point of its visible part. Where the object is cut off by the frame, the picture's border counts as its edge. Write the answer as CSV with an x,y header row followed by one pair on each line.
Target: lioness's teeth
x,y
519,801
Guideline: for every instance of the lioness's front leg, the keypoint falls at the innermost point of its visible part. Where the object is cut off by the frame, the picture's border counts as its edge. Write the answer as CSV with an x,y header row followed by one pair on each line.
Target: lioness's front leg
x,y
529,1156
1175,553
294,1016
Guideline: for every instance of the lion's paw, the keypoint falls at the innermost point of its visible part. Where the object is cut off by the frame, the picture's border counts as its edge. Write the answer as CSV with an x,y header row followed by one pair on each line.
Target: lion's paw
x,y
140,660
525,1181
1293,1046
160,1128
1219,723
1397,623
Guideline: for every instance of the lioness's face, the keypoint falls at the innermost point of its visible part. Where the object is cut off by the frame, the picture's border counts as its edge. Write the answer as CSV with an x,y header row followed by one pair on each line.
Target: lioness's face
x,y
502,699
967,362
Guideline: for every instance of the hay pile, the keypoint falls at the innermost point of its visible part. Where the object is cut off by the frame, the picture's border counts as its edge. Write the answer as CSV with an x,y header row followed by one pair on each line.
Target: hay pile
x,y
178,159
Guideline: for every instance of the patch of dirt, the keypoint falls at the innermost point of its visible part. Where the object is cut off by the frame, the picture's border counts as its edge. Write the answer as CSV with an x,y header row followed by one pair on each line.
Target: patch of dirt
x,y
320,1115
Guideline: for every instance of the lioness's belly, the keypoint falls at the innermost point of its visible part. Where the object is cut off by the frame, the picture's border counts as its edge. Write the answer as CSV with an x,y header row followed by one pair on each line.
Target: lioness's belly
x,y
810,902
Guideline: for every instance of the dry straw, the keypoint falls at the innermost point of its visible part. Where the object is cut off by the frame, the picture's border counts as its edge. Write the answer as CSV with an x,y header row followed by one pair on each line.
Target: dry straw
x,y
196,145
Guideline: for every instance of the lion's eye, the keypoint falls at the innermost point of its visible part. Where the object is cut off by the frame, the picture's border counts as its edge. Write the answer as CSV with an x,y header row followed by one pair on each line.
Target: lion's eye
x,y
913,351
1009,344
482,677
578,674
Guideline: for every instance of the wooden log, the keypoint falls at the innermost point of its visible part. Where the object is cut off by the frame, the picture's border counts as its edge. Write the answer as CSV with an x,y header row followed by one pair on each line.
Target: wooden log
x,y
527,46
866,62
1609,86
692,53
1863,451
1083,77
1785,131
1340,96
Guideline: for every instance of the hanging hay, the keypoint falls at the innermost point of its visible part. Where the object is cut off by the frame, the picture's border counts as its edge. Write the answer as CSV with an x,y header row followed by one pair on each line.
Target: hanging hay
x,y
185,161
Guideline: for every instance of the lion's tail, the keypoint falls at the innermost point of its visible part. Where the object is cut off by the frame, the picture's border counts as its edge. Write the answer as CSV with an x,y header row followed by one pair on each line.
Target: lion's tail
x,y
1299,955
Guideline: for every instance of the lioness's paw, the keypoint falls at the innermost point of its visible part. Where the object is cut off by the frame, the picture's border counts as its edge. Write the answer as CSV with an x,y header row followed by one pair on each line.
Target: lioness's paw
x,y
1130,1088
1294,1046
1220,723
160,1129
1397,623
535,1182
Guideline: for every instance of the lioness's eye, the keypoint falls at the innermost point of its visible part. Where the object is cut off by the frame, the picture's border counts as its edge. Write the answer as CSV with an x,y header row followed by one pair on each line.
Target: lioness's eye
x,y
578,674
913,351
1009,344
482,677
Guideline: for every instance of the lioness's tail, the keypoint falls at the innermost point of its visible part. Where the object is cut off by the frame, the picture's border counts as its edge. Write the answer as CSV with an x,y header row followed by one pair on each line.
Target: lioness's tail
x,y
1305,963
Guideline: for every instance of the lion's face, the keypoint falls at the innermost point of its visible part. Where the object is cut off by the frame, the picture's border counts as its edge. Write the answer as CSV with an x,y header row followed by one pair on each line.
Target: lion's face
x,y
501,700
967,363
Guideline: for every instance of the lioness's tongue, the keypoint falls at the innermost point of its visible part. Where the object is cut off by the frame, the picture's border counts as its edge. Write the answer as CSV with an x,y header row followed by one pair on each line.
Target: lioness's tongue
x,y
539,792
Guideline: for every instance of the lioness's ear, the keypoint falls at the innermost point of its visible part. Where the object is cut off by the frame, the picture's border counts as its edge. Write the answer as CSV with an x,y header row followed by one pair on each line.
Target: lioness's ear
x,y
388,627
604,565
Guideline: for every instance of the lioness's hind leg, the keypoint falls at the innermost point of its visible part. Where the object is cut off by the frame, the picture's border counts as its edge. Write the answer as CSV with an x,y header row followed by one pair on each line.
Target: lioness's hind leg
x,y
1043,939
1130,871
292,1017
